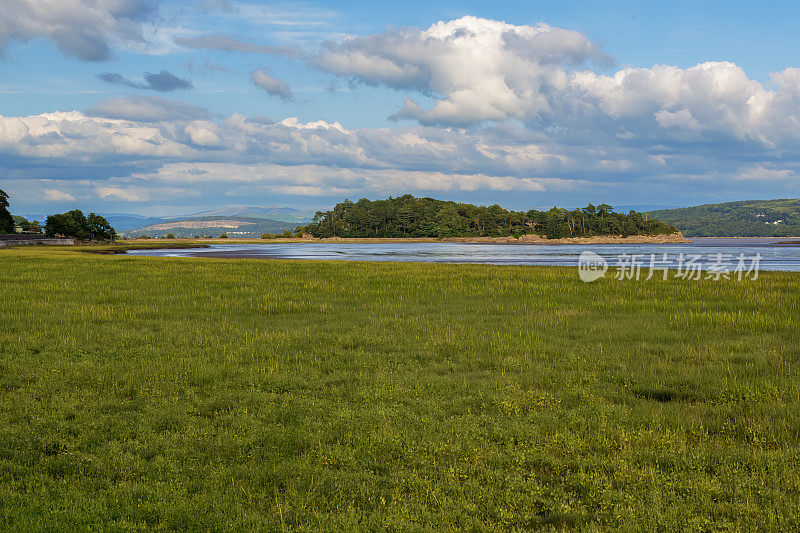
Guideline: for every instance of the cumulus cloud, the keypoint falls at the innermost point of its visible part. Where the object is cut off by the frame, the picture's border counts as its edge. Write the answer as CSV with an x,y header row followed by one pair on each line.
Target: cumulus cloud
x,y
78,138
551,79
54,195
478,69
273,86
147,109
532,111
203,133
162,81
151,155
85,29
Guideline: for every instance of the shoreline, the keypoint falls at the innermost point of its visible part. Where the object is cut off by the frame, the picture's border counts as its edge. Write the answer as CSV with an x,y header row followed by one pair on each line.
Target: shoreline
x,y
675,238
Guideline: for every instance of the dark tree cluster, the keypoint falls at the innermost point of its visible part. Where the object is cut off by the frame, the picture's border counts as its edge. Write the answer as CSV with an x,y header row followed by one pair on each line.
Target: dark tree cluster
x,y
6,220
75,224
408,216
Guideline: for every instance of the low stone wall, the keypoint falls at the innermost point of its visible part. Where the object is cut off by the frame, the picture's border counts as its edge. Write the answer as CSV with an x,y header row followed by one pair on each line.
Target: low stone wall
x,y
20,239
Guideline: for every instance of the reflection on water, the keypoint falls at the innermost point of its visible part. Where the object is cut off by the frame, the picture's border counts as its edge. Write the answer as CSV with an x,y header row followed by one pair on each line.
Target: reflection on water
x,y
773,256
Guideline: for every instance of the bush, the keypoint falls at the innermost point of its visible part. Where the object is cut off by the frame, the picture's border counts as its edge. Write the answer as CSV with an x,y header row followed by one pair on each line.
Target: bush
x,y
170,236
223,236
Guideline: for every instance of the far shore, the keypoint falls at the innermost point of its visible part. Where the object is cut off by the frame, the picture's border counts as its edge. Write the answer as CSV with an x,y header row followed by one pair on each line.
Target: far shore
x,y
675,238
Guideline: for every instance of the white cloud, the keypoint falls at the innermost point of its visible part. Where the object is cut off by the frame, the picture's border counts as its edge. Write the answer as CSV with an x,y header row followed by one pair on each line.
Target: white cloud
x,y
203,133
121,193
54,195
762,173
327,181
273,86
246,158
479,70
85,29
147,109
79,138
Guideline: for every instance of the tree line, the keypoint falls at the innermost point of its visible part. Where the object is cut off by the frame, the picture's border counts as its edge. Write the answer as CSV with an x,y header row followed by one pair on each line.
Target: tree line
x,y
408,216
70,224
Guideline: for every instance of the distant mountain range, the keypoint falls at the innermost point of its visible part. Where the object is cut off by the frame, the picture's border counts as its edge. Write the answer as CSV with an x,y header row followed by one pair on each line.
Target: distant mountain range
x,y
750,218
211,226
245,221
277,216
285,214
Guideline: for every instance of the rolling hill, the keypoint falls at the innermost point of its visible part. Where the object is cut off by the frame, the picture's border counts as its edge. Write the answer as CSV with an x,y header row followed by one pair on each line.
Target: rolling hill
x,y
242,221
212,226
750,218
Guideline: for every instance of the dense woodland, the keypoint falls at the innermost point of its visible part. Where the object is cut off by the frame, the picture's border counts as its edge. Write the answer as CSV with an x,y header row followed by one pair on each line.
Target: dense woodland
x,y
408,216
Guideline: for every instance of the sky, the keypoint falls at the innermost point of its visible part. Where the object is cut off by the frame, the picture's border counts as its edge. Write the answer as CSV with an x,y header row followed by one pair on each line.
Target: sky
x,y
162,107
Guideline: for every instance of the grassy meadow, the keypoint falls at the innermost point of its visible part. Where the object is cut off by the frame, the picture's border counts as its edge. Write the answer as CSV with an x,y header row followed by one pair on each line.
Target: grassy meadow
x,y
145,393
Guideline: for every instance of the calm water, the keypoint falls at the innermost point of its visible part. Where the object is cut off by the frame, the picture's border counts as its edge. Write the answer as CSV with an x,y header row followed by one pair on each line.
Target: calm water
x,y
773,256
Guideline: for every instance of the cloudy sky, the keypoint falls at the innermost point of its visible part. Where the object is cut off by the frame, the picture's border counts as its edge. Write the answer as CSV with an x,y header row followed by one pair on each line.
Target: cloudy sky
x,y
159,107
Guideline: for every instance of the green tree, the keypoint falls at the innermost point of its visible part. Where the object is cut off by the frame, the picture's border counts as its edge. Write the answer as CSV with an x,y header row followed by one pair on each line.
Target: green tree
x,y
449,223
6,220
70,224
100,229
75,224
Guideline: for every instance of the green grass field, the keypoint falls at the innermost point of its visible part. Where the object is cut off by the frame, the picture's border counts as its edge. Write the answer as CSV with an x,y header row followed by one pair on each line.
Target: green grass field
x,y
162,393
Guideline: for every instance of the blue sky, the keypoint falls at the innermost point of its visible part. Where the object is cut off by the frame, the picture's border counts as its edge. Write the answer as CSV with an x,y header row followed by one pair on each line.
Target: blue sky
x,y
154,107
